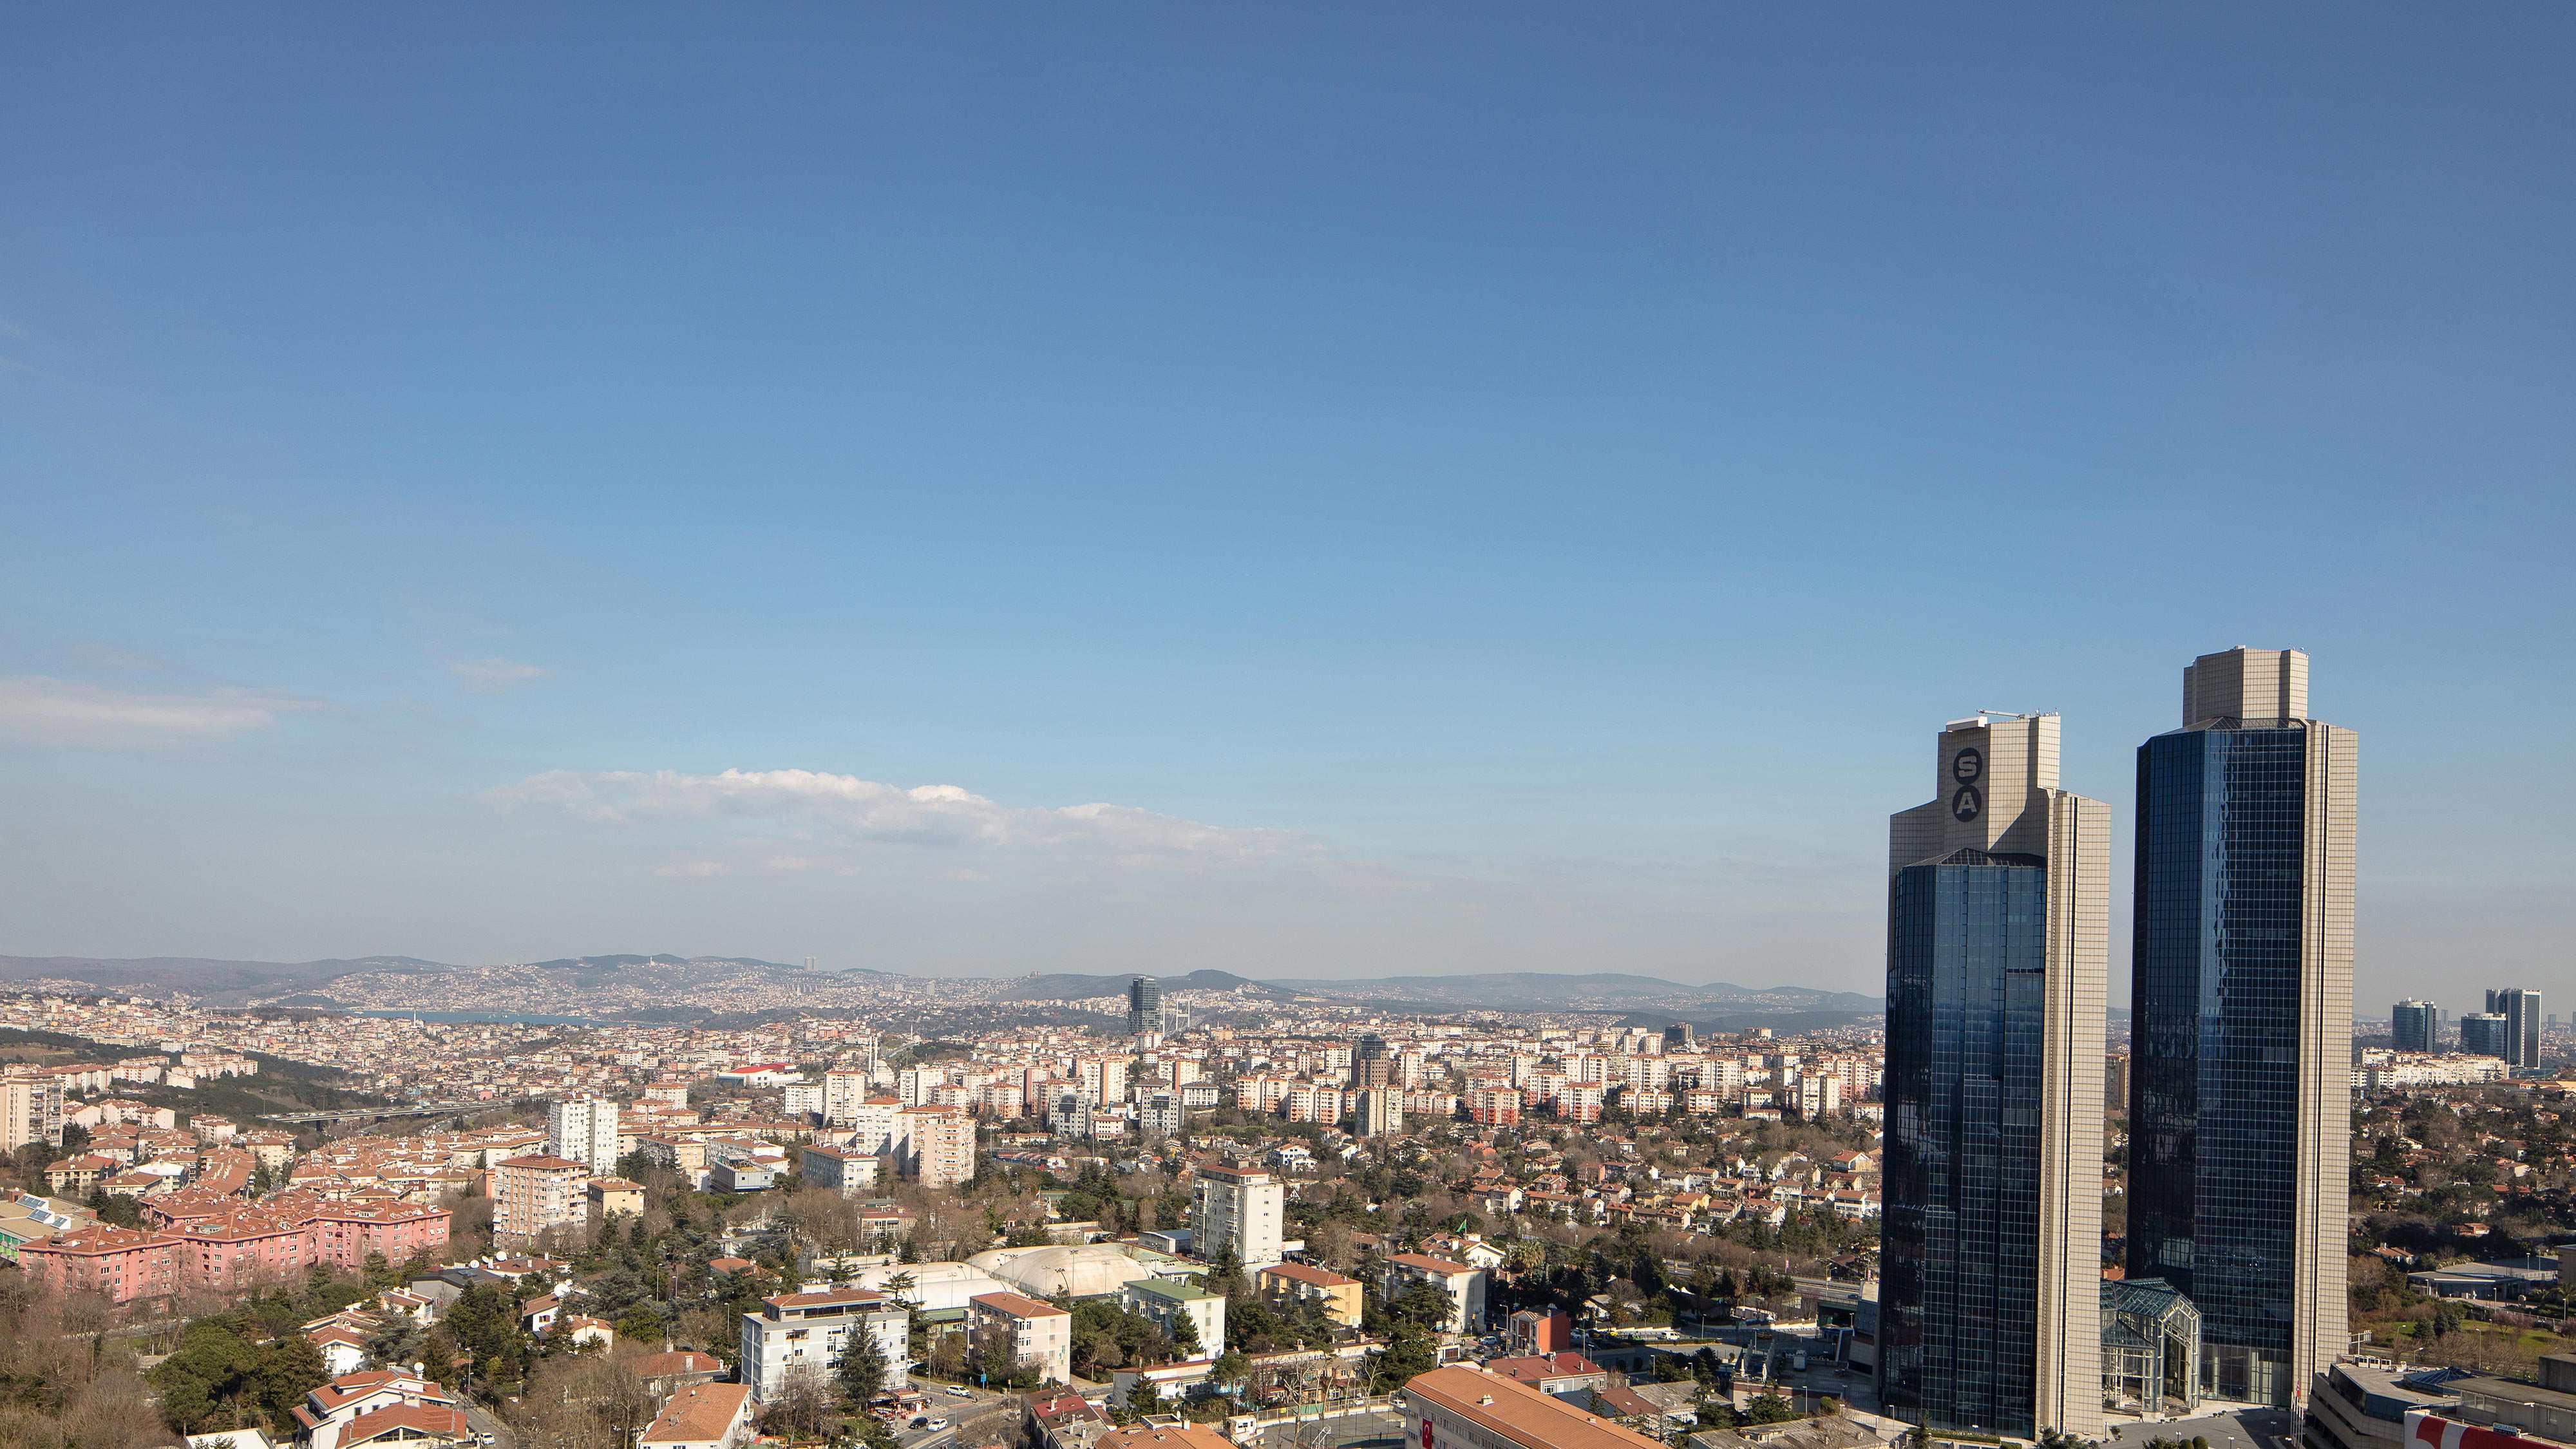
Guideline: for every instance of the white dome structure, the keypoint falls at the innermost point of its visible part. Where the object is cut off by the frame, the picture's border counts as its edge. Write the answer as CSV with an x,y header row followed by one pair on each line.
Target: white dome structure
x,y
934,1285
1084,1270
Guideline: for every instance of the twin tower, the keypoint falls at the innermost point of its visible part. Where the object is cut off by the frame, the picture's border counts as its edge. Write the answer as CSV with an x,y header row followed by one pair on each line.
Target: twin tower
x,y
1998,936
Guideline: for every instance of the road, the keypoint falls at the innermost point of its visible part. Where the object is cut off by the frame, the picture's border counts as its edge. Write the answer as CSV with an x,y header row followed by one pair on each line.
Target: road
x,y
996,1414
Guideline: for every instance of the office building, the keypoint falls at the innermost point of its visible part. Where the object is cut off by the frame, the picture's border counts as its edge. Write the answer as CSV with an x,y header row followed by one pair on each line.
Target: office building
x,y
2413,1024
2241,1022
585,1131
1373,1065
2521,1012
1998,956
2487,1034
1238,1211
1144,1005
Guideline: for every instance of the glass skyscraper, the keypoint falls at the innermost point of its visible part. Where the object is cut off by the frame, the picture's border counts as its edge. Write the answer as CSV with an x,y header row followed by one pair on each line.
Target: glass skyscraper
x,y
2240,1022
2521,1012
1144,1005
2412,1024
1997,946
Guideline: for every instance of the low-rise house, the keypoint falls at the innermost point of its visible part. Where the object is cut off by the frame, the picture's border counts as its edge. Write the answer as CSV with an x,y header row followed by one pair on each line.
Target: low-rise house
x,y
1464,1285
1282,1284
1172,1302
701,1416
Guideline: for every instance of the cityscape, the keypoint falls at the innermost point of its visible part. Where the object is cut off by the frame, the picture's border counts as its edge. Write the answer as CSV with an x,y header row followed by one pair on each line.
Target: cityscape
x,y
1123,727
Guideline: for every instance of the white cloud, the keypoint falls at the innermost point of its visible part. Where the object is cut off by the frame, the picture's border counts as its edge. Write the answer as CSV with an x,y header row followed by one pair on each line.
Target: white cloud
x,y
38,710
800,863
491,676
695,868
870,811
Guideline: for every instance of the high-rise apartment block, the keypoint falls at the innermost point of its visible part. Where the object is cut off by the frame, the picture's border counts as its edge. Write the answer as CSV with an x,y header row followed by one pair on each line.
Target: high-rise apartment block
x,y
1238,1210
1144,1005
2241,1019
31,1110
2521,1012
1998,946
1380,1112
2413,1024
935,1145
533,1194
584,1130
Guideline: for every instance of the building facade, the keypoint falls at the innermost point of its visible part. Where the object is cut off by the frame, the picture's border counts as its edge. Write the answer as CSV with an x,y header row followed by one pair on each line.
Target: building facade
x,y
1997,964
584,1130
936,1146
2413,1024
1144,1006
2487,1034
31,1110
1007,1329
2521,1012
796,1332
534,1193
2241,1011
1237,1210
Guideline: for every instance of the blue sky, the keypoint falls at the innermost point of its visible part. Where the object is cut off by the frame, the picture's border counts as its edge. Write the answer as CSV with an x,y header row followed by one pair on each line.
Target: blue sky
x,y
1461,487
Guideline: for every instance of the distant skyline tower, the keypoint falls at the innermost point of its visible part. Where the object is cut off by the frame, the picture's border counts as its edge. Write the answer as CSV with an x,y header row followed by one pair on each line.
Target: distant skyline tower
x,y
1998,946
1144,1005
2521,1012
2240,1022
2487,1034
2414,1024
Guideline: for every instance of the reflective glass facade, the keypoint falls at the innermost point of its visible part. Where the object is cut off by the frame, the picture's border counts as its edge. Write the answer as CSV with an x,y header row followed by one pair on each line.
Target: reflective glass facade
x,y
2215,1002
1958,1300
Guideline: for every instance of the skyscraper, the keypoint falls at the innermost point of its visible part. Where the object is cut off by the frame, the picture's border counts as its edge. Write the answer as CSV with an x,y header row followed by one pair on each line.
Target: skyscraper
x,y
2412,1024
2241,1011
1998,941
1372,1065
2521,1012
1144,1005
2487,1034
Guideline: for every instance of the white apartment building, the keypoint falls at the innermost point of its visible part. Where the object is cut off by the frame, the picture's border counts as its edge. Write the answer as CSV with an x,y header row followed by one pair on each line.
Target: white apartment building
x,y
795,1331
31,1110
803,1099
844,1170
843,1090
1169,1302
1238,1210
872,1123
1464,1285
584,1130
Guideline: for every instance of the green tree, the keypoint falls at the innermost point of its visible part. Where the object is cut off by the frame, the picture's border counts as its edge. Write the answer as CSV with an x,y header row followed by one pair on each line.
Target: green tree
x,y
1770,1409
1230,1367
862,1366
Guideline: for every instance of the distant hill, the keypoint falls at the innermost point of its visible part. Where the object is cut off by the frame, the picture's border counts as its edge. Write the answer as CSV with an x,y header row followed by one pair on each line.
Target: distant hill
x,y
221,982
1540,990
1062,986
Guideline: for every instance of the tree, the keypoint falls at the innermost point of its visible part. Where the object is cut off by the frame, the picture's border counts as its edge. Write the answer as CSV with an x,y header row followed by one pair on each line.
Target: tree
x,y
862,1365
1770,1409
1230,1367
1145,1398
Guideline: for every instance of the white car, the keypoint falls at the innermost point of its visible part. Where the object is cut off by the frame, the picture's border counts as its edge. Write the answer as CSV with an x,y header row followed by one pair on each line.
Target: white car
x,y
938,1424
954,1392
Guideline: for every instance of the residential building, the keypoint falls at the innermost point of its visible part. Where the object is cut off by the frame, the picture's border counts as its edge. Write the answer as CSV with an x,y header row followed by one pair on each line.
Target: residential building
x,y
2521,1012
1529,1332
701,1416
535,1193
1165,1435
1566,1375
1161,1114
1464,1285
1498,1106
122,1265
2241,1019
616,1195
846,1171
380,1407
843,1091
1172,1302
1998,947
1461,1407
1240,1211
2413,1024
800,1331
872,1124
1283,1284
31,1110
1008,1329
936,1145
1379,1111
583,1130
